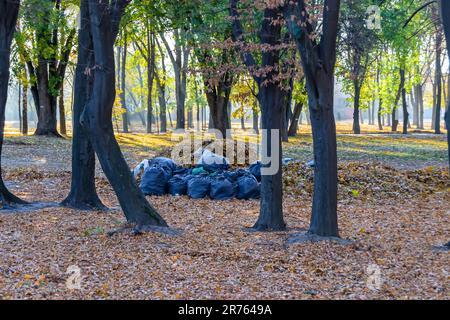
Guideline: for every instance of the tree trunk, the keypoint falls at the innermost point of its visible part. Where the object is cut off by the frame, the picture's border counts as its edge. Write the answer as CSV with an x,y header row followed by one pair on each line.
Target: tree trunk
x,y
438,81
380,115
318,62
47,123
356,111
62,112
218,98
24,114
271,212
8,20
255,117
123,71
293,128
404,104
161,85
97,118
83,194
324,216
150,76
445,13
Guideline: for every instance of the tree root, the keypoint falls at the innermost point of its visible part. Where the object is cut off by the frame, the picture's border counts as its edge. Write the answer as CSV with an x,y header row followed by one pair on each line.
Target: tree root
x,y
306,237
444,248
27,207
135,229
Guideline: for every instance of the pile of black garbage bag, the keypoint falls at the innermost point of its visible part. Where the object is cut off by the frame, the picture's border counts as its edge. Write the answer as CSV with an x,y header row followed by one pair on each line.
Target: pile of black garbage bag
x,y
217,181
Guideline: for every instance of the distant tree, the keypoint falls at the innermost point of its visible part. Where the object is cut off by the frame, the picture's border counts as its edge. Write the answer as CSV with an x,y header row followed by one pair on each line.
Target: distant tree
x,y
45,43
356,44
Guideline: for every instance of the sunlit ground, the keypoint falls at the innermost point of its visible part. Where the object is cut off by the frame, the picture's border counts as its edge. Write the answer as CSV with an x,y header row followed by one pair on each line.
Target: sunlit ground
x,y
415,150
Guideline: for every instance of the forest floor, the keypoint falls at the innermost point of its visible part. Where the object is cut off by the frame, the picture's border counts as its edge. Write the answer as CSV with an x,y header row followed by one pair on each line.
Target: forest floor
x,y
394,200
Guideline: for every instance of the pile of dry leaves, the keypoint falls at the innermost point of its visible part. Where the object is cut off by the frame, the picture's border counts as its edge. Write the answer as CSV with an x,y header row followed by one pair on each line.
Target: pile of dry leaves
x,y
369,179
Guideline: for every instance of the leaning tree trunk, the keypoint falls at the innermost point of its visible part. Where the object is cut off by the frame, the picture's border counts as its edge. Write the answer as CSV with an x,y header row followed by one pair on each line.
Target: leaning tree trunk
x,y
83,194
97,119
9,12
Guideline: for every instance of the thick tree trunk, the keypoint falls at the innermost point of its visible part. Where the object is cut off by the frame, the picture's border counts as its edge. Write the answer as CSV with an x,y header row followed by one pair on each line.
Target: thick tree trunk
x,y
62,112
83,194
318,60
324,215
270,99
271,212
47,123
9,12
97,118
218,98
356,111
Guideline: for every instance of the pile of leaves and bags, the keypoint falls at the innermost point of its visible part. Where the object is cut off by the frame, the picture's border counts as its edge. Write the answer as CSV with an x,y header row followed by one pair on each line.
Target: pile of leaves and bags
x,y
211,177
368,179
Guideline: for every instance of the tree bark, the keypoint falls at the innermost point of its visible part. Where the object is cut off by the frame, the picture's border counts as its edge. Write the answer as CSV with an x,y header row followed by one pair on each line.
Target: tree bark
x,y
83,194
62,112
8,19
404,104
356,112
24,114
318,60
161,84
438,82
270,99
150,76
380,115
97,119
293,128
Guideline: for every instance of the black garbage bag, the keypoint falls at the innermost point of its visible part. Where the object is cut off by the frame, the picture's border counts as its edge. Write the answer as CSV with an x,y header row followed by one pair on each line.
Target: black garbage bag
x,y
164,162
221,188
231,175
177,185
255,169
248,187
154,181
198,186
